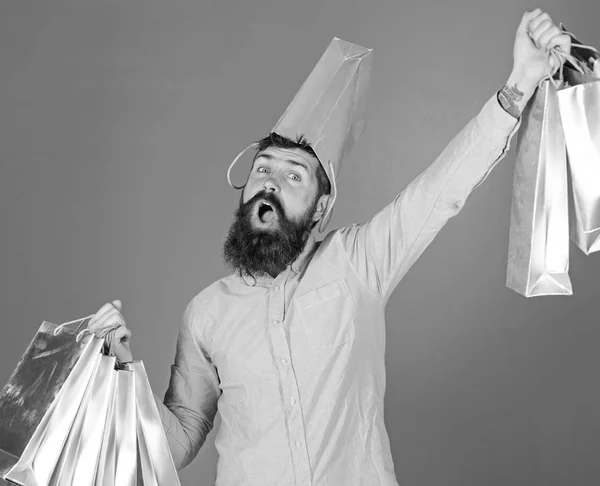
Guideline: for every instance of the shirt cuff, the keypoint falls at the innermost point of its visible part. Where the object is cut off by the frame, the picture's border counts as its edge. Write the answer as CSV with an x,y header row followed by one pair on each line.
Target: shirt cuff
x,y
495,123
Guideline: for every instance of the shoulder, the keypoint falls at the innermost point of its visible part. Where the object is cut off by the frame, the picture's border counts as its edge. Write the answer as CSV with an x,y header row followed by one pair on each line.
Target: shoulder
x,y
199,315
335,238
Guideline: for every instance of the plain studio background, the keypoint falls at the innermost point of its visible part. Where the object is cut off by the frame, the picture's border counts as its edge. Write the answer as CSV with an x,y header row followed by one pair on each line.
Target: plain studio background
x,y
119,120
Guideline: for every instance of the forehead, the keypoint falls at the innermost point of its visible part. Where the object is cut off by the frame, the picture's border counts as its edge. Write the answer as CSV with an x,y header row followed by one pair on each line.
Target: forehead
x,y
295,156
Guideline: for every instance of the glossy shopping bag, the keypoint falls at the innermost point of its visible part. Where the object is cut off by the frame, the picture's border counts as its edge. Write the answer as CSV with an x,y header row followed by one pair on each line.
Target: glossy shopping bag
x,y
579,104
156,462
39,403
80,456
117,464
538,257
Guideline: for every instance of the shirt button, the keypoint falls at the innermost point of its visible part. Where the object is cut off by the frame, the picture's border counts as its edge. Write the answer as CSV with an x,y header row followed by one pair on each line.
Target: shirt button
x,y
276,288
284,361
298,444
276,322
292,401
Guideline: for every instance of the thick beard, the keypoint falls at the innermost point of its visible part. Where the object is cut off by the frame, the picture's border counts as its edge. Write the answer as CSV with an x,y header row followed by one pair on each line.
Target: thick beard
x,y
256,252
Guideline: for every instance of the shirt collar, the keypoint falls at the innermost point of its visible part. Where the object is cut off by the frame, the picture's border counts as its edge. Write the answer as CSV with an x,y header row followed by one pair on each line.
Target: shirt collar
x,y
296,266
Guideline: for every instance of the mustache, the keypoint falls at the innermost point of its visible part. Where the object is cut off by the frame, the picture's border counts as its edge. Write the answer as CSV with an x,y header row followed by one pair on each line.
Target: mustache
x,y
265,196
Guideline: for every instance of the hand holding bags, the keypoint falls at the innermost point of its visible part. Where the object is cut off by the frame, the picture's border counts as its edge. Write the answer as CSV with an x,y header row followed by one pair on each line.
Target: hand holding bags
x,y
70,415
559,119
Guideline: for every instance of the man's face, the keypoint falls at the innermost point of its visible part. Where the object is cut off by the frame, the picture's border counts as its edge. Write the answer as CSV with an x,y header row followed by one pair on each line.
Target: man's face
x,y
290,177
277,209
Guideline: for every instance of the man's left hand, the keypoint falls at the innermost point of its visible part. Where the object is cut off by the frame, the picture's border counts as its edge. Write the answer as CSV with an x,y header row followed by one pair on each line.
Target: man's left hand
x,y
536,36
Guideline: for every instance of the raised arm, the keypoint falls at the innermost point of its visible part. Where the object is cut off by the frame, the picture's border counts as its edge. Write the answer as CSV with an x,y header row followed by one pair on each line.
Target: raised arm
x,y
383,249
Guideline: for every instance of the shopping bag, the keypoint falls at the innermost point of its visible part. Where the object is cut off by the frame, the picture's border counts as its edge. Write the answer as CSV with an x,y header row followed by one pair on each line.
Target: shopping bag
x,y
156,462
579,104
538,256
40,401
105,469
80,456
117,458
125,430
146,475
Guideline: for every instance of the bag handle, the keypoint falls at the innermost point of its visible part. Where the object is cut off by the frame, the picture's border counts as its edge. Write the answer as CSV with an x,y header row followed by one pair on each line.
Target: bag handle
x,y
560,57
101,334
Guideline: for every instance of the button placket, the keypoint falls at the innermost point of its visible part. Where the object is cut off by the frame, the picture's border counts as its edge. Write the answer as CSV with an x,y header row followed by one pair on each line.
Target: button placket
x,y
276,305
289,384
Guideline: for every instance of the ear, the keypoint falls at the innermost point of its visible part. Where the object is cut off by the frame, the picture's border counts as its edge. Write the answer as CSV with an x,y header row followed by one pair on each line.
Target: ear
x,y
321,206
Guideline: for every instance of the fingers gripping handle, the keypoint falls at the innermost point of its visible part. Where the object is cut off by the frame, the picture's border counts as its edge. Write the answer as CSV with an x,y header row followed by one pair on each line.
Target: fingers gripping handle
x,y
560,57
112,343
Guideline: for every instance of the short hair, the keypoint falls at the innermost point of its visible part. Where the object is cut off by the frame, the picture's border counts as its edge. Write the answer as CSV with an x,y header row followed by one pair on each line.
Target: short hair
x,y
279,141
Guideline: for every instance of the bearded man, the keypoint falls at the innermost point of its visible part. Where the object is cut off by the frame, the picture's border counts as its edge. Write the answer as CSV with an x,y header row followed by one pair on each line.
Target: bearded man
x,y
289,347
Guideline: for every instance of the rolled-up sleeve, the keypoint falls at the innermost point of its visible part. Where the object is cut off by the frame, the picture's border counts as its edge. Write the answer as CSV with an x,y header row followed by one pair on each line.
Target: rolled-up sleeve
x,y
190,404
383,249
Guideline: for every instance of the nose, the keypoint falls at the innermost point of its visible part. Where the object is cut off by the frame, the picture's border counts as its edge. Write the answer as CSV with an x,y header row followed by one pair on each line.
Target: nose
x,y
271,185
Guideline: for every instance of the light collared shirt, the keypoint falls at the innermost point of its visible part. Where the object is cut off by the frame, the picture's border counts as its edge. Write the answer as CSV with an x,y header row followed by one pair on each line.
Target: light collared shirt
x,y
295,364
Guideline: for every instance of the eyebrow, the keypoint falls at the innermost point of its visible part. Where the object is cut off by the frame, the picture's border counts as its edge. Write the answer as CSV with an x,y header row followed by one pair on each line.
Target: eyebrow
x,y
305,166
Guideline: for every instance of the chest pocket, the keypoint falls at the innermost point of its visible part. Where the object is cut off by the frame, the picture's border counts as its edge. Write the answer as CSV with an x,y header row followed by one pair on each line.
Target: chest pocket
x,y
327,314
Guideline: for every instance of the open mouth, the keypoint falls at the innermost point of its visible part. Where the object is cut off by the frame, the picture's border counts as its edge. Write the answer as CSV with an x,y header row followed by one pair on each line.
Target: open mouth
x,y
266,212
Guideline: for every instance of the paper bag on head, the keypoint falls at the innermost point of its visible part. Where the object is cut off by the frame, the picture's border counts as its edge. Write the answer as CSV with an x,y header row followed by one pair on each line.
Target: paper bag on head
x,y
329,110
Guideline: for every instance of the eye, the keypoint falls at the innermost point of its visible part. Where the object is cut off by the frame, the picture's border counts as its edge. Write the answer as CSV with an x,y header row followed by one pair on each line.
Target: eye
x,y
261,169
295,177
